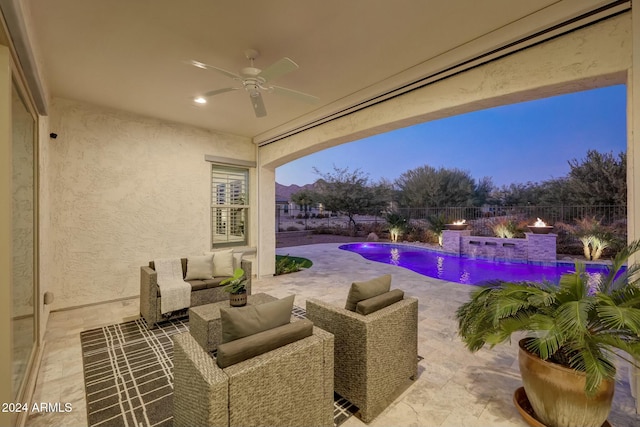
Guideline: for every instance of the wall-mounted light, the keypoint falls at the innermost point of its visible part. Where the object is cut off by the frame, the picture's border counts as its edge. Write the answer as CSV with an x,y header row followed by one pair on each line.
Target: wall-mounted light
x,y
199,100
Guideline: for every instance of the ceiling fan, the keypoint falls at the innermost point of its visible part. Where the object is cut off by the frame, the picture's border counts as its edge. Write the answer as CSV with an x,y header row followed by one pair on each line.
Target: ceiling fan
x,y
255,81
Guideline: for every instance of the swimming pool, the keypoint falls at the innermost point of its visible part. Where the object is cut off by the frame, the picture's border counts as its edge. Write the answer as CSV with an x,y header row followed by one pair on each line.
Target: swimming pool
x,y
463,269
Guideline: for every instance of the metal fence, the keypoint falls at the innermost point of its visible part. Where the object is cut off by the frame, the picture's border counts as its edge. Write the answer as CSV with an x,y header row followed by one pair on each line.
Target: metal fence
x,y
482,218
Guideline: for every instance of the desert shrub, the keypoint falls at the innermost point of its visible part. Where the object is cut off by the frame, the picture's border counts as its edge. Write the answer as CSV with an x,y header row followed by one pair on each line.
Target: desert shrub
x,y
326,229
415,233
431,237
372,227
507,228
437,224
286,265
597,240
398,225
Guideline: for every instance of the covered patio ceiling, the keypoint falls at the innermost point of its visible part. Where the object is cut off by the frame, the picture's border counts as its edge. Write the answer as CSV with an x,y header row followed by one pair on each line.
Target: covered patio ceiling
x,y
136,55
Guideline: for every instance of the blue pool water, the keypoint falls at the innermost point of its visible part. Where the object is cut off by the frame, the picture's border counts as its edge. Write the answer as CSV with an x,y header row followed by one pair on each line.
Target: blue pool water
x,y
463,269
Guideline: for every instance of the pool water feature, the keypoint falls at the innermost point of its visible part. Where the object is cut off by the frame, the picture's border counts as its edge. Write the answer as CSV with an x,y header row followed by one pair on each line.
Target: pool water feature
x,y
464,269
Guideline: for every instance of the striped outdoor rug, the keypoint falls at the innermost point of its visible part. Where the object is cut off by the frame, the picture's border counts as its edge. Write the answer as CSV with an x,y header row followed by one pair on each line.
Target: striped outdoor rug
x,y
128,374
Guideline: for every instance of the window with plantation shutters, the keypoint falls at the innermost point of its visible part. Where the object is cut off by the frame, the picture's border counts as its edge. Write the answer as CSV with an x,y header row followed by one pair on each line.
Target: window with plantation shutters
x,y
229,205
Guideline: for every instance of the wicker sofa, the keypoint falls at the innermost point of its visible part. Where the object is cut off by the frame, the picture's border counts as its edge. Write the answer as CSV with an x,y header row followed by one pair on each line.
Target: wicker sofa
x,y
289,386
202,292
375,354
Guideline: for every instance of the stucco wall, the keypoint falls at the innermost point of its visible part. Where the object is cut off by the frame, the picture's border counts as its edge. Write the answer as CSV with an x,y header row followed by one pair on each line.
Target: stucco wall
x,y
124,190
45,246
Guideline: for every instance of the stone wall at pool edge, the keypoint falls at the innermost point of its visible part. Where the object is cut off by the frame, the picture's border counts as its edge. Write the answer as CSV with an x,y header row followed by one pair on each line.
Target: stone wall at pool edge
x,y
534,247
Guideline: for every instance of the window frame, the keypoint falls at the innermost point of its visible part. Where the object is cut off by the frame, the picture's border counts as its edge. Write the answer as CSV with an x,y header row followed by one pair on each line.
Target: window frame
x,y
229,205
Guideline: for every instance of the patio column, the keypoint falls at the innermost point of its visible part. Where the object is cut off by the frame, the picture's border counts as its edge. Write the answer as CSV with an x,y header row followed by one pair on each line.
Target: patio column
x,y
266,242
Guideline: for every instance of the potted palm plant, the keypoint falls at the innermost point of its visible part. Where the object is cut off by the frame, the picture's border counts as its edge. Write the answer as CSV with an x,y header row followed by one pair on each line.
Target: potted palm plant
x,y
574,331
236,286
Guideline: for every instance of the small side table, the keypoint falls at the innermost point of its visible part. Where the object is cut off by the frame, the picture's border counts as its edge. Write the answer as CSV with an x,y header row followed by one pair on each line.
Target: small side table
x,y
204,320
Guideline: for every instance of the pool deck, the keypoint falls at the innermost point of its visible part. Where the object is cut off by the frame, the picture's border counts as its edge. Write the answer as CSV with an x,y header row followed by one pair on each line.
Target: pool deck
x,y
454,387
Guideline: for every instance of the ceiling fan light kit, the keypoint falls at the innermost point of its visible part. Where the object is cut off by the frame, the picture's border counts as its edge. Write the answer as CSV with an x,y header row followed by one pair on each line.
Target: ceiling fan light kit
x,y
254,81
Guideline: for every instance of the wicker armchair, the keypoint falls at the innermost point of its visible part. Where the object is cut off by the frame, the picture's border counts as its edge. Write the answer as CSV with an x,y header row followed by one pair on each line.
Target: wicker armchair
x,y
374,354
289,386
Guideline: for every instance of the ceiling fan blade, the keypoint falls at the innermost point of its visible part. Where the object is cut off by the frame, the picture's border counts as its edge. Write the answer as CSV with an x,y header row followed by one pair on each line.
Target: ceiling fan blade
x,y
258,104
217,91
295,94
211,67
277,69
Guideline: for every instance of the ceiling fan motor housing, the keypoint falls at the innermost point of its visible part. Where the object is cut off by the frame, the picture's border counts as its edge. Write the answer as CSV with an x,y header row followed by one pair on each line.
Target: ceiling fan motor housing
x,y
250,71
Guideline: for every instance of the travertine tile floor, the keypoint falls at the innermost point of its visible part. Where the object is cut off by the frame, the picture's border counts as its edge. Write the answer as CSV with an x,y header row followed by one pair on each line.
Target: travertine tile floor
x,y
454,387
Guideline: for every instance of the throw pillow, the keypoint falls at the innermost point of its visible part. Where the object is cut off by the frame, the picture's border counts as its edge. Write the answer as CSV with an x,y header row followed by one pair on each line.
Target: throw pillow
x,y
364,290
199,267
251,319
245,348
371,305
223,263
237,258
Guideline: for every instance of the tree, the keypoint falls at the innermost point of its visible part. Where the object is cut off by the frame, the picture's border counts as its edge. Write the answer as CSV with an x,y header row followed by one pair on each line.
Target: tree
x,y
427,186
305,199
599,179
483,190
517,194
556,192
350,193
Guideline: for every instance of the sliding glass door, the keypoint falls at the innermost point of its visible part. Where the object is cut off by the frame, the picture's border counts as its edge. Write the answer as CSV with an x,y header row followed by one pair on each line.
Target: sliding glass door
x,y
24,233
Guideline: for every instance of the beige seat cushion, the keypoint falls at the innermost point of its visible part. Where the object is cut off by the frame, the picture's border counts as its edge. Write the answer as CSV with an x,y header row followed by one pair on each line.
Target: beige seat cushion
x,y
215,282
244,321
364,290
371,305
245,348
196,285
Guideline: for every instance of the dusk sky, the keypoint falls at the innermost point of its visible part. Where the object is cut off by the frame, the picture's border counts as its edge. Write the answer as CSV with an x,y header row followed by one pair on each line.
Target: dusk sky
x,y
531,141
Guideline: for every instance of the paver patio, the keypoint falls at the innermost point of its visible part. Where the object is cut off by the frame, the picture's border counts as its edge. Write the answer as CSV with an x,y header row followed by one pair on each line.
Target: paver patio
x,y
454,387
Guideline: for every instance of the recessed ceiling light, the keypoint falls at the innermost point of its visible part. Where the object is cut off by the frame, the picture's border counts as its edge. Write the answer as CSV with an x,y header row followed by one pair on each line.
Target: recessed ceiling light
x,y
200,100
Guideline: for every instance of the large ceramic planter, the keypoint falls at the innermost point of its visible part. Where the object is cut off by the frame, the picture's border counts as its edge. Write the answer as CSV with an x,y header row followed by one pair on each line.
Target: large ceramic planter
x,y
557,393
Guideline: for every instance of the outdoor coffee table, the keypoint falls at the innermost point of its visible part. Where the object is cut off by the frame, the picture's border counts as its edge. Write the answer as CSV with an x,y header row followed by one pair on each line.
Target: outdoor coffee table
x,y
204,320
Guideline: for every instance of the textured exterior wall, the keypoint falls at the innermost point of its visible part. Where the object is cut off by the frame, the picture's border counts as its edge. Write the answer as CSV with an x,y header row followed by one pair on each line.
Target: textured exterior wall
x,y
45,246
125,189
494,247
541,247
452,240
534,247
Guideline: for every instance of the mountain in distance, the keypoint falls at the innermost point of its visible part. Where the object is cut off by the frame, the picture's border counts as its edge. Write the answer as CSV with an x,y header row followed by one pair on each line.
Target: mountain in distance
x,y
284,192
